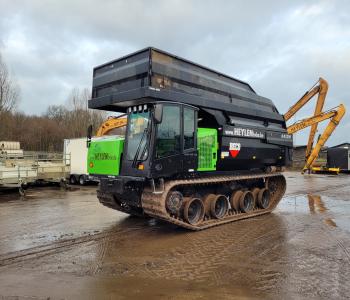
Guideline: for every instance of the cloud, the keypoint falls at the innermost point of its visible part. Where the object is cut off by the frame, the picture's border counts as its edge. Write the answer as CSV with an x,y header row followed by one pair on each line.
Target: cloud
x,y
279,47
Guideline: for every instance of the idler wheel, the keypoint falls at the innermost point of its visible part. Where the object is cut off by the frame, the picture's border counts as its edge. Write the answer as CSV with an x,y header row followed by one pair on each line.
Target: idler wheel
x,y
234,199
174,202
264,198
219,207
193,211
246,202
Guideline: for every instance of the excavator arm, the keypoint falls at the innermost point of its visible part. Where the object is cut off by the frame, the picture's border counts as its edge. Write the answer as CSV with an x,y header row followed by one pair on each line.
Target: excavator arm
x,y
335,115
110,124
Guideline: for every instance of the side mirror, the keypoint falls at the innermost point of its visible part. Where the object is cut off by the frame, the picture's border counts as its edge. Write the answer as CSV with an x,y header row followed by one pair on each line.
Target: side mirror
x,y
158,113
89,136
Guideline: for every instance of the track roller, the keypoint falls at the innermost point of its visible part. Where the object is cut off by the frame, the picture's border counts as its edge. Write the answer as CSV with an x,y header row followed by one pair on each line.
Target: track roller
x,y
234,199
193,211
246,202
255,192
207,201
263,198
219,206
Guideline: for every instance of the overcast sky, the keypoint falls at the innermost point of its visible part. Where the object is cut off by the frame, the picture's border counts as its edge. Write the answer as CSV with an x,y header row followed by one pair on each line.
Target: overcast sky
x,y
279,47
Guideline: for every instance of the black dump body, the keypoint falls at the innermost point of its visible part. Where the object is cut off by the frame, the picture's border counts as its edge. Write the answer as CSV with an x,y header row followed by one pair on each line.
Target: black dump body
x,y
152,73
241,116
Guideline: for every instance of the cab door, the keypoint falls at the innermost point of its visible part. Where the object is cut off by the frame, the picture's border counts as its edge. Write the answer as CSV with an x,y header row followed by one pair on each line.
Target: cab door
x,y
190,153
175,141
168,143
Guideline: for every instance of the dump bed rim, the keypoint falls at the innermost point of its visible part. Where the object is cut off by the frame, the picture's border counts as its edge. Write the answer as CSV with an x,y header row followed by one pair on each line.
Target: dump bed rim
x,y
149,49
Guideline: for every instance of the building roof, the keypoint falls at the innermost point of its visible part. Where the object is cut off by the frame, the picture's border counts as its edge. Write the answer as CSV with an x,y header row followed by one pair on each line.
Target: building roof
x,y
342,145
305,146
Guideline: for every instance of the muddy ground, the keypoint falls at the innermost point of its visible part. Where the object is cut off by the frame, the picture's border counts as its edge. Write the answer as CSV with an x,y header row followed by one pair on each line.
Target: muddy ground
x,y
57,244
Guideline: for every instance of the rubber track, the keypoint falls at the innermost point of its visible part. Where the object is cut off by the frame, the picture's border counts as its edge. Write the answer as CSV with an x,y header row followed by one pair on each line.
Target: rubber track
x,y
154,204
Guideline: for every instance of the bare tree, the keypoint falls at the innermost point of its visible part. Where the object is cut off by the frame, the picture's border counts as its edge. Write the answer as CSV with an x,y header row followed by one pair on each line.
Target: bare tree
x,y
58,113
46,132
80,117
76,100
9,89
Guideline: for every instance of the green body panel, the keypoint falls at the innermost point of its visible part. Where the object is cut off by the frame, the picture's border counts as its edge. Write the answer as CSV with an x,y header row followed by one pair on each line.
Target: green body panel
x,y
207,144
104,155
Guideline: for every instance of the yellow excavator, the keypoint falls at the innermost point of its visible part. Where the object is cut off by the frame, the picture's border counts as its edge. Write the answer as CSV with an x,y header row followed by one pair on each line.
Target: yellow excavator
x,y
115,125
320,88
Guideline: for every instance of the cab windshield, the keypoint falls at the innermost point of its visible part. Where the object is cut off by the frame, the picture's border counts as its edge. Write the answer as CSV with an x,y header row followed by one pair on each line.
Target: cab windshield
x,y
137,137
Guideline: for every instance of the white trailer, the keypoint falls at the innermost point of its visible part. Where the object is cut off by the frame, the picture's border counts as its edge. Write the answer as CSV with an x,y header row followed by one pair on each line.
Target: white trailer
x,y
20,170
76,150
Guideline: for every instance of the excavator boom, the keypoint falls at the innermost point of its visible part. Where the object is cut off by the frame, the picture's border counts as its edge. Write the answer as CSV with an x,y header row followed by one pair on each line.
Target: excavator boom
x,y
333,123
336,114
299,125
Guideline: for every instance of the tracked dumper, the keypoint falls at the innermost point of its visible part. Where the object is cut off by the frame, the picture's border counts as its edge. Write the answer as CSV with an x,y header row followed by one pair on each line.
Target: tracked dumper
x,y
201,148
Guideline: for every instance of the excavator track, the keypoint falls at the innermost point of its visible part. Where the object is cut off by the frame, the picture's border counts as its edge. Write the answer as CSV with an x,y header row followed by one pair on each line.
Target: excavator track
x,y
154,204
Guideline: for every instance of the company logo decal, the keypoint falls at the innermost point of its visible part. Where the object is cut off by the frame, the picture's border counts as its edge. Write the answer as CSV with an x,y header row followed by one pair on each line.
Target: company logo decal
x,y
234,149
245,133
104,156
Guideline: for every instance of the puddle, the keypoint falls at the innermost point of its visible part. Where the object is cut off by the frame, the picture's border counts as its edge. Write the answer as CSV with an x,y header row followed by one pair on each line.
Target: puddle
x,y
332,212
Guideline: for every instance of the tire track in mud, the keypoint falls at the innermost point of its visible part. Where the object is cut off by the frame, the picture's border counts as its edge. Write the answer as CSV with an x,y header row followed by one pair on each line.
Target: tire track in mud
x,y
59,246
338,241
319,268
337,286
206,253
320,277
102,247
322,217
270,261
332,264
257,273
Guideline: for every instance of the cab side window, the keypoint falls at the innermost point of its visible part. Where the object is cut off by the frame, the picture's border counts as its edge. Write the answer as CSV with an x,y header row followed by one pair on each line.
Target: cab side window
x,y
189,128
168,132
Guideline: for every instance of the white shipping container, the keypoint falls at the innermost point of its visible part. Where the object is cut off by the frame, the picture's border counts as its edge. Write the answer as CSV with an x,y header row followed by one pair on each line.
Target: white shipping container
x,y
75,150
